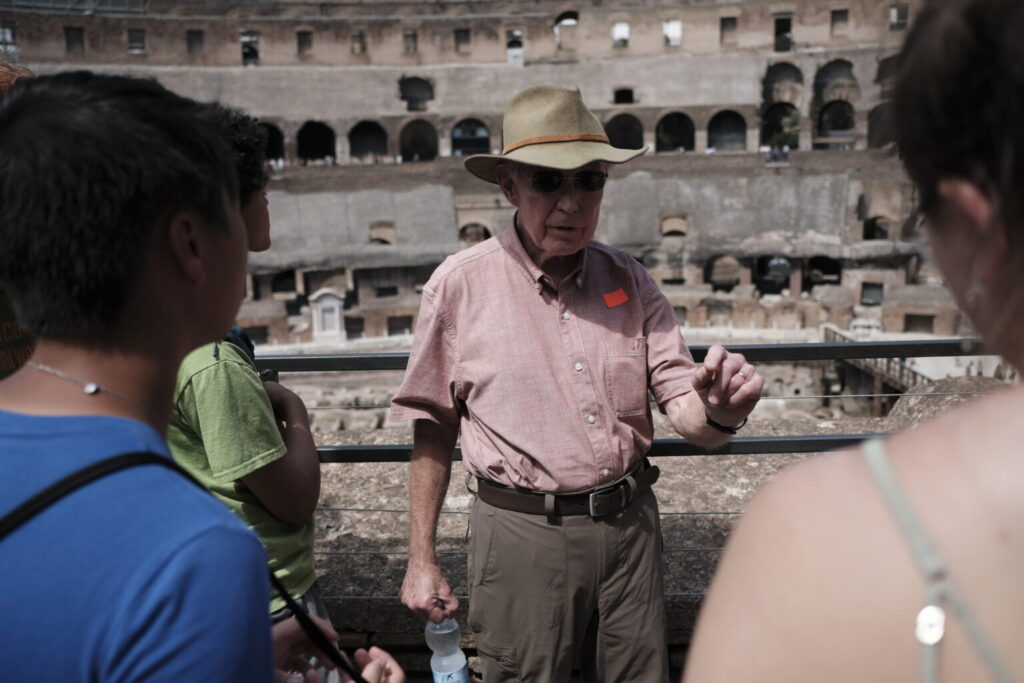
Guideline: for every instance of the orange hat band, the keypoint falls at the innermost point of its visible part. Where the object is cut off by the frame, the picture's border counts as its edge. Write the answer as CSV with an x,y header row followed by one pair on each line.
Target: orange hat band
x,y
585,137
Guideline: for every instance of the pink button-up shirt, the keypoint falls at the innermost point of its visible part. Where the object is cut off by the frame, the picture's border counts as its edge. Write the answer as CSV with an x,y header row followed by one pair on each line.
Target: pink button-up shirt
x,y
547,381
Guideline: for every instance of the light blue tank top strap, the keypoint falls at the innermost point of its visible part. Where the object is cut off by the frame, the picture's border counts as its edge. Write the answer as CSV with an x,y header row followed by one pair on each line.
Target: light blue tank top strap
x,y
939,588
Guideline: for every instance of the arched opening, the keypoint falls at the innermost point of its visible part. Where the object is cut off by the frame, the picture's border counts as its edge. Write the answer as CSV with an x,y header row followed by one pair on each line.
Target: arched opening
x,y
727,131
625,131
677,225
383,232
565,30
771,274
836,126
833,83
877,228
674,133
418,142
781,126
275,141
783,82
821,270
367,141
415,92
722,273
473,233
835,80
315,141
470,136
881,128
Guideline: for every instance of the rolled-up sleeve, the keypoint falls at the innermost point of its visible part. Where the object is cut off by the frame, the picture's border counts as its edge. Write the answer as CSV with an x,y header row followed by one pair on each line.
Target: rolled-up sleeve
x,y
430,387
670,365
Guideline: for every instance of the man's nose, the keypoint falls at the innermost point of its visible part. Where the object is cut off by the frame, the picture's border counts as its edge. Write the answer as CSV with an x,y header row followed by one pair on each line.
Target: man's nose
x,y
568,197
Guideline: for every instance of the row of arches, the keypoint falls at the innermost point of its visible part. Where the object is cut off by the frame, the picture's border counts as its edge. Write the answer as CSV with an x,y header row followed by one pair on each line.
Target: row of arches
x,y
675,131
727,130
418,140
772,273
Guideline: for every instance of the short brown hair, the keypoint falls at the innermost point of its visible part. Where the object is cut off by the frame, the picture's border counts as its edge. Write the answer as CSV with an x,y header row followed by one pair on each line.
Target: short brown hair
x,y
10,73
959,100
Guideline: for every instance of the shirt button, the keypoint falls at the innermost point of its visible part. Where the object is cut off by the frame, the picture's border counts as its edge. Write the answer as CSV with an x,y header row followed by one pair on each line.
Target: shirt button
x,y
566,316
605,472
579,367
591,419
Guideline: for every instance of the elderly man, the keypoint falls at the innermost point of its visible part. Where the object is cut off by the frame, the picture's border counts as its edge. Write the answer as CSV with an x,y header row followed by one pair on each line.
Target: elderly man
x,y
540,346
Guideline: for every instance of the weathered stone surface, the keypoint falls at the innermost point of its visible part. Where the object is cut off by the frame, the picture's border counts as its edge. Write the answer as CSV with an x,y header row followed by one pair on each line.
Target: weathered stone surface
x,y
926,401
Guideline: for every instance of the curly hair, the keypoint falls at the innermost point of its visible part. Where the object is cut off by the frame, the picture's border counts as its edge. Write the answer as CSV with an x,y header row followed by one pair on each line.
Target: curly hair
x,y
248,140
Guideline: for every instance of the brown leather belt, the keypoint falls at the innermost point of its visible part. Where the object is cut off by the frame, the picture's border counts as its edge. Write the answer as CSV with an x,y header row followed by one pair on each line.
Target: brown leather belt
x,y
596,503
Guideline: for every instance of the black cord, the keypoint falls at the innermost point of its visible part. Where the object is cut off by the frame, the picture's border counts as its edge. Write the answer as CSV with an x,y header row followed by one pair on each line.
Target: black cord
x,y
314,632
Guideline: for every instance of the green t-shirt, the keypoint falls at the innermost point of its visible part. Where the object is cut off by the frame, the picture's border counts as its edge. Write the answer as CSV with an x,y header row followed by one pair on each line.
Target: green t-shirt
x,y
222,429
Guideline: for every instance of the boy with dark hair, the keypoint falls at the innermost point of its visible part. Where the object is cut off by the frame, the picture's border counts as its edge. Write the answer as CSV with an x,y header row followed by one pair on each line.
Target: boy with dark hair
x,y
247,441
123,250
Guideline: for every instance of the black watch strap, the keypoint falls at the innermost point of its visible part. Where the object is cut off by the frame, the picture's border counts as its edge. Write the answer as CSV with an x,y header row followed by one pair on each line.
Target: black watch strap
x,y
722,428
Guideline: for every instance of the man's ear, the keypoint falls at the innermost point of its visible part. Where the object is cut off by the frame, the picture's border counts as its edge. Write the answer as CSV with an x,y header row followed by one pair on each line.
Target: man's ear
x,y
507,183
184,233
974,211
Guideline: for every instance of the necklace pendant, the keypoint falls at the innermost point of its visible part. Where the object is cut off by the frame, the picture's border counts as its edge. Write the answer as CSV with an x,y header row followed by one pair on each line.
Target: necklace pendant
x,y
931,625
91,388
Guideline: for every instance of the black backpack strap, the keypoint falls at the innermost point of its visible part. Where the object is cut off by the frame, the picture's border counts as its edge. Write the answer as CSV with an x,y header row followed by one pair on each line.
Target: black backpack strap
x,y
76,480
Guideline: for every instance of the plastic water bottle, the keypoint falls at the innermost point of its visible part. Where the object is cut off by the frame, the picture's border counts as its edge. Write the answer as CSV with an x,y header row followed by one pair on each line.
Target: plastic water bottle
x,y
448,662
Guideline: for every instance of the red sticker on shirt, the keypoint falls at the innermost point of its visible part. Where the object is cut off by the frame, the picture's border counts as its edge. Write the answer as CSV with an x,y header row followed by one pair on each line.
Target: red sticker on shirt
x,y
616,298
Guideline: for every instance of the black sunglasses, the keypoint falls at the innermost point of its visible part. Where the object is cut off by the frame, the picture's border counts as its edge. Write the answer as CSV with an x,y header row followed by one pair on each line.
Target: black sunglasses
x,y
549,181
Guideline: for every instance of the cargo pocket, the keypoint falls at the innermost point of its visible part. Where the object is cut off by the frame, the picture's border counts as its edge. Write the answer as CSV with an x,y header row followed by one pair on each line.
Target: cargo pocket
x,y
625,375
498,663
481,540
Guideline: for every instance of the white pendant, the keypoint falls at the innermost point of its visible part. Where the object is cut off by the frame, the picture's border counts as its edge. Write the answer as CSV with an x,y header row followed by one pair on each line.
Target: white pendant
x,y
931,625
91,388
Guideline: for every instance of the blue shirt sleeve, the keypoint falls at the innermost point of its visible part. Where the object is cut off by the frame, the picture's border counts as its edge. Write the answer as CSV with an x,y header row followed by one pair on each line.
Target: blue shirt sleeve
x,y
199,616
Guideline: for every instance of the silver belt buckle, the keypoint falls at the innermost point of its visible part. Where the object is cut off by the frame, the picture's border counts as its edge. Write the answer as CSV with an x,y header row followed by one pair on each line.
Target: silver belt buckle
x,y
602,492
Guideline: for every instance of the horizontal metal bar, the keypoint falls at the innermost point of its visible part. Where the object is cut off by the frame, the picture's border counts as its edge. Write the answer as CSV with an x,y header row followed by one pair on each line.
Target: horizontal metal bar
x,y
745,445
768,353
334,362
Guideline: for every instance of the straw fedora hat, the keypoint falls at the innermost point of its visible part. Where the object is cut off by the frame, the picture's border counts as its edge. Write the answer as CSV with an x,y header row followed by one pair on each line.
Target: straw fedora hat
x,y
550,127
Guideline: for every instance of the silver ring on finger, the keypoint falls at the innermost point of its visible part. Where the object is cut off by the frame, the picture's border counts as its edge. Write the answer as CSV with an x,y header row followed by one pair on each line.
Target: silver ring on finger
x,y
743,374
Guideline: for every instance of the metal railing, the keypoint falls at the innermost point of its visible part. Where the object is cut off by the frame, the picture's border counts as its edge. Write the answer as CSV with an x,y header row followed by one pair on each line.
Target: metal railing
x,y
758,353
686,588
893,371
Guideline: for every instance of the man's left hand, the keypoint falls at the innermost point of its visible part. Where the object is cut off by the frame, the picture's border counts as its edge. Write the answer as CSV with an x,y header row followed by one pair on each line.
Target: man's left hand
x,y
728,386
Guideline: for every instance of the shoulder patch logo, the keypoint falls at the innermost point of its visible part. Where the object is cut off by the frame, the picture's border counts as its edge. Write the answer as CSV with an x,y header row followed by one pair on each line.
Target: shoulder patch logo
x,y
616,298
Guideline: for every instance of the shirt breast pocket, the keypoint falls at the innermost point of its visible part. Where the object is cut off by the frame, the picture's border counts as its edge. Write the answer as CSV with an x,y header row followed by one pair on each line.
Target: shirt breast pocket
x,y
625,375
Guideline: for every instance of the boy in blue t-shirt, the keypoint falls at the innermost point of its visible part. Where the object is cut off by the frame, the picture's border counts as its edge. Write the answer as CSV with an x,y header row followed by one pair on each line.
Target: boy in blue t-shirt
x,y
123,249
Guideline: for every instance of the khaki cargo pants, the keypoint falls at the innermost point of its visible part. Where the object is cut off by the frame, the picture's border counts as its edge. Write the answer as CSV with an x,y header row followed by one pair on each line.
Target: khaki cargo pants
x,y
583,593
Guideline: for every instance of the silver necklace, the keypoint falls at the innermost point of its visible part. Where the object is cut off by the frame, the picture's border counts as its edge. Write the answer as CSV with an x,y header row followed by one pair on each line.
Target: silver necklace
x,y
90,388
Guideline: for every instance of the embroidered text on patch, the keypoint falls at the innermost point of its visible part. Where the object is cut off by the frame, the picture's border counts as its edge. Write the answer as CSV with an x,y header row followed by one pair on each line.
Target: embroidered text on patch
x,y
616,298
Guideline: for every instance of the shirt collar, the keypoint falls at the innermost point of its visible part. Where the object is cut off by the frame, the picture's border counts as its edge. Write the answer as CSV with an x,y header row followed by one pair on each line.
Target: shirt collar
x,y
509,239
